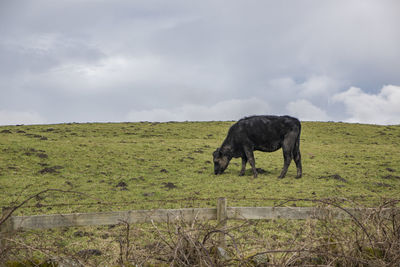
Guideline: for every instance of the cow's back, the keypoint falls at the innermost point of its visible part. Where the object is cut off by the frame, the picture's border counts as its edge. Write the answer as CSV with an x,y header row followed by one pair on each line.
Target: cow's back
x,y
265,133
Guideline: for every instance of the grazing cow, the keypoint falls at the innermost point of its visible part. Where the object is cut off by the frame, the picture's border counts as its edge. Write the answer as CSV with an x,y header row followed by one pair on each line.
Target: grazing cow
x,y
263,133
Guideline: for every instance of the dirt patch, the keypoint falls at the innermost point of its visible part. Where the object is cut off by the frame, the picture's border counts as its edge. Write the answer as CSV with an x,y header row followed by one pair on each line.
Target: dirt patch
x,y
6,131
333,176
38,136
42,155
164,171
169,185
122,185
149,194
39,153
383,185
82,234
86,253
30,152
53,170
391,177
390,170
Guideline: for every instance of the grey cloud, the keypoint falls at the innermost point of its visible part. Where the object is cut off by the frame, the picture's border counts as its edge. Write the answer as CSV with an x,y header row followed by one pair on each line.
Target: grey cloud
x,y
232,109
40,53
103,60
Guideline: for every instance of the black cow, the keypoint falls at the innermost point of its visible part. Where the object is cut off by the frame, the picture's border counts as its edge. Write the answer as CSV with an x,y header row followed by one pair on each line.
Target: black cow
x,y
264,133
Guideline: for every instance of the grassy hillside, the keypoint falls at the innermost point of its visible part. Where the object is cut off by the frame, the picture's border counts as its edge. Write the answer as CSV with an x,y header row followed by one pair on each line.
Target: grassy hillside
x,y
141,165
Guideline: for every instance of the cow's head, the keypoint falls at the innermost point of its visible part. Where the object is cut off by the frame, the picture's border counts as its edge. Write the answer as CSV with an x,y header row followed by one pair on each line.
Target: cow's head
x,y
221,161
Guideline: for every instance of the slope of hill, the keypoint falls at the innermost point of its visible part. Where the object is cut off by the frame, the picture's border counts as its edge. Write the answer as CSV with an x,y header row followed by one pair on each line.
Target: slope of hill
x,y
141,165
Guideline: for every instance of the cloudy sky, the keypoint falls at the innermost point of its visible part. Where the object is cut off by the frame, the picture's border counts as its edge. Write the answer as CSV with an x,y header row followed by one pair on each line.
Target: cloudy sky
x,y
156,60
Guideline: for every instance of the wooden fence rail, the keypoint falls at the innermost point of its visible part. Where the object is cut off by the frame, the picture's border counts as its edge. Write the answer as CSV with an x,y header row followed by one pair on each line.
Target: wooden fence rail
x,y
222,213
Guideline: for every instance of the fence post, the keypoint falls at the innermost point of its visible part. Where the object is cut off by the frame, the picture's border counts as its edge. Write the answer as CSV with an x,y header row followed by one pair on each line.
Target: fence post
x,y
222,218
6,229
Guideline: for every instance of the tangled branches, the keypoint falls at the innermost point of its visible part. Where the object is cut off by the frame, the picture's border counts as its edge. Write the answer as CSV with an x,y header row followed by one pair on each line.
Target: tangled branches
x,y
368,237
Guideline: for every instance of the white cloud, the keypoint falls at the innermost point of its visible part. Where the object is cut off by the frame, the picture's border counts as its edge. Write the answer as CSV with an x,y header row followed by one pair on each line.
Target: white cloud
x,y
305,110
20,117
226,110
318,85
381,108
313,87
309,98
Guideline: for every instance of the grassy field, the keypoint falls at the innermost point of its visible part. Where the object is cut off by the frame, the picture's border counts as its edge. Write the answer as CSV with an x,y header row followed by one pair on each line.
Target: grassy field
x,y
164,165
121,166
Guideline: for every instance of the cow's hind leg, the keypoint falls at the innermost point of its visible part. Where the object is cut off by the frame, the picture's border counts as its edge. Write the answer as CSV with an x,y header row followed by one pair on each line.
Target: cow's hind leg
x,y
287,148
287,158
297,158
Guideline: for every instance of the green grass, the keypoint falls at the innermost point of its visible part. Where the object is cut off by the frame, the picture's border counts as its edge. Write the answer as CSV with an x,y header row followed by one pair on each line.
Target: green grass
x,y
162,162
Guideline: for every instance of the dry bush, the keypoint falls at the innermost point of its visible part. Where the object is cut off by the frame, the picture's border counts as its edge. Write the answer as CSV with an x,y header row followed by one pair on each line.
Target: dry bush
x,y
368,238
180,243
371,237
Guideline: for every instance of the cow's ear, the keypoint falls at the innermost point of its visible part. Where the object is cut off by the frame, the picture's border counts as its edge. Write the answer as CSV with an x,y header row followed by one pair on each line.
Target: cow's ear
x,y
217,153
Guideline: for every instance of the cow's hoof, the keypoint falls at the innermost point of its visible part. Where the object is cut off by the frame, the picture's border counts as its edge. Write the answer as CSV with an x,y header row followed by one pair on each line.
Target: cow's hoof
x,y
280,177
298,176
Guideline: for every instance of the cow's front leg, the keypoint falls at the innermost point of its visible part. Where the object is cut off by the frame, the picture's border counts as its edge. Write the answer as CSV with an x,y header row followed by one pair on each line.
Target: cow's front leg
x,y
252,161
244,161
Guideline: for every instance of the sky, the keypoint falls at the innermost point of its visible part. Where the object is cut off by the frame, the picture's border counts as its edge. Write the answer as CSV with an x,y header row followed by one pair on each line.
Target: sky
x,y
155,60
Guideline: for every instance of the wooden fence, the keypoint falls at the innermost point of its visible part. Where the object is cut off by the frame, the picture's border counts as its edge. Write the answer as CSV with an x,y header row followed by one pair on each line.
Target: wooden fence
x,y
221,213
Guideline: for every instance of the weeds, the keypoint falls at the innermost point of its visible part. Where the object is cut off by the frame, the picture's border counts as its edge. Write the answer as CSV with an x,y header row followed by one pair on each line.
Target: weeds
x,y
366,239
